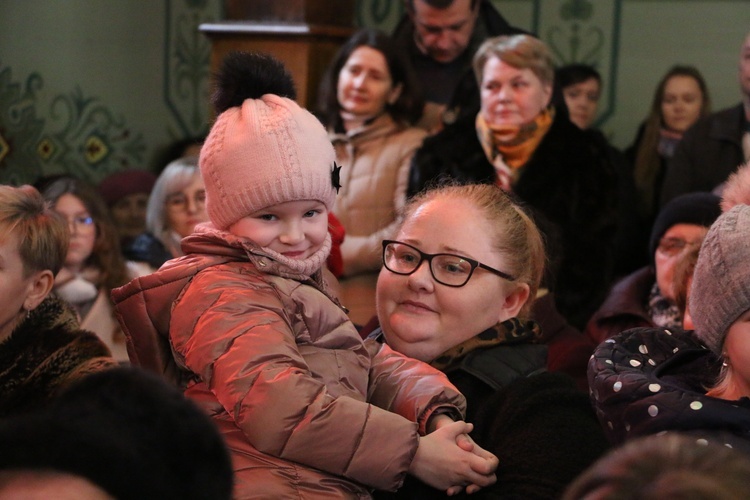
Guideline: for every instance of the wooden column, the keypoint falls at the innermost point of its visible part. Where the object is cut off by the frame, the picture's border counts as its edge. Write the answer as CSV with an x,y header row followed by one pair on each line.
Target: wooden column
x,y
304,34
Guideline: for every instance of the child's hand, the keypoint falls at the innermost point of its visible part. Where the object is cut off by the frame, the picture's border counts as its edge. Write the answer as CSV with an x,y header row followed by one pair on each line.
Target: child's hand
x,y
439,421
443,464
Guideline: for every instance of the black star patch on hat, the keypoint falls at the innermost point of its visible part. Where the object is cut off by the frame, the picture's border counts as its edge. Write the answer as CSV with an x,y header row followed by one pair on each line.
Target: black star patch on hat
x,y
336,177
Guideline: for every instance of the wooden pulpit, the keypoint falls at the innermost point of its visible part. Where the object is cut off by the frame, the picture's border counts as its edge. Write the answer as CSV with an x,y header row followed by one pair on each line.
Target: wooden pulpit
x,y
304,34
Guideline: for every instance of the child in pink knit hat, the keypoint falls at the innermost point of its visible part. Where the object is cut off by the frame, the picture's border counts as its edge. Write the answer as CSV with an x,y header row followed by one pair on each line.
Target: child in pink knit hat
x,y
246,324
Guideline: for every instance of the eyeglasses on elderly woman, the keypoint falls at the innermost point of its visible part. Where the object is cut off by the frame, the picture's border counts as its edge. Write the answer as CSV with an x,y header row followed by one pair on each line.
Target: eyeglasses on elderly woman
x,y
180,201
446,268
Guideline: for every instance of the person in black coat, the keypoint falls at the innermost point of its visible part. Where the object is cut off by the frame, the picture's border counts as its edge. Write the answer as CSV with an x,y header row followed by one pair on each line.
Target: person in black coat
x,y
466,312
681,98
577,92
557,170
714,146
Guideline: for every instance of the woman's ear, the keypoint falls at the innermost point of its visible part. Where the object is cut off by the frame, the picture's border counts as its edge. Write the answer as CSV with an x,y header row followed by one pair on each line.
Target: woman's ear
x,y
514,301
394,94
40,285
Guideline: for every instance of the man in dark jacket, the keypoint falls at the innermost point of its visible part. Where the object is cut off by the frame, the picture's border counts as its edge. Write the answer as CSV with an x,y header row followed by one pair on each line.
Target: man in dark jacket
x,y
714,146
440,38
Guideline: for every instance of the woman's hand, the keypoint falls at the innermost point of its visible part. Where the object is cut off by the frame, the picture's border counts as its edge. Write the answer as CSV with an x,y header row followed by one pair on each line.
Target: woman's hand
x,y
445,464
465,442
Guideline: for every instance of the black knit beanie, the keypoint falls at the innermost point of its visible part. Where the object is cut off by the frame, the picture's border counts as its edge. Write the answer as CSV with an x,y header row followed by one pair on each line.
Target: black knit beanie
x,y
700,209
129,433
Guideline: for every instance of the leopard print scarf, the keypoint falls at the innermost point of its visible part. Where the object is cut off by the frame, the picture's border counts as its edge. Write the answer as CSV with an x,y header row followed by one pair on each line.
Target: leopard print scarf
x,y
511,331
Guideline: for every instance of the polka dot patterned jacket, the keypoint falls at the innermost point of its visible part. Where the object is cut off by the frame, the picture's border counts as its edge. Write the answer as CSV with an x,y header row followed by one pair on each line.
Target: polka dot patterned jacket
x,y
651,380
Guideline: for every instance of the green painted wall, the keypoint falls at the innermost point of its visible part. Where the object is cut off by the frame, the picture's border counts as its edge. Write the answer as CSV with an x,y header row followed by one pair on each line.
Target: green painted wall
x,y
93,86
632,43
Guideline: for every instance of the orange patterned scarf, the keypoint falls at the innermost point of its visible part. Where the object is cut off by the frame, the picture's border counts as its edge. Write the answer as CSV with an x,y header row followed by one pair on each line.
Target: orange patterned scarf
x,y
509,147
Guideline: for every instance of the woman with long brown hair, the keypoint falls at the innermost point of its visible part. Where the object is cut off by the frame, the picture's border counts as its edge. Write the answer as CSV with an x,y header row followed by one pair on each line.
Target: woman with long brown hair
x,y
681,98
94,264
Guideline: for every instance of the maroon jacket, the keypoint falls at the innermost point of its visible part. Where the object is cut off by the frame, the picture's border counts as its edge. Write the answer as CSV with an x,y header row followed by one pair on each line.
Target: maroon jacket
x,y
624,308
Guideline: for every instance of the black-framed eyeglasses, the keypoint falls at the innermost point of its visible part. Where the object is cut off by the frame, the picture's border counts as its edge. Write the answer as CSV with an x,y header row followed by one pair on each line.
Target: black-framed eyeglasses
x,y
446,268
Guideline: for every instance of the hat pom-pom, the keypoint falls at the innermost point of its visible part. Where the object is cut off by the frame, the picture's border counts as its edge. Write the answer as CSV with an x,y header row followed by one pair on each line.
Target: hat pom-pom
x,y
246,75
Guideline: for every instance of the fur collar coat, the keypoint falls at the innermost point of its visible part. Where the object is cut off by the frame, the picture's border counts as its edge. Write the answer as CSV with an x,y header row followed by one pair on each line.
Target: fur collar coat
x,y
44,354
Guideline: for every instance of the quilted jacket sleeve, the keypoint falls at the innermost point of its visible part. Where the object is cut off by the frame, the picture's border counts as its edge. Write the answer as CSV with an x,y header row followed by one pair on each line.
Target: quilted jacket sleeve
x,y
237,336
637,387
410,387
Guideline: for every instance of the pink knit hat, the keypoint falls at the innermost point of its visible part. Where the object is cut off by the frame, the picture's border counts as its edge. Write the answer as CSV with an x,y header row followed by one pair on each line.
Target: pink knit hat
x,y
263,148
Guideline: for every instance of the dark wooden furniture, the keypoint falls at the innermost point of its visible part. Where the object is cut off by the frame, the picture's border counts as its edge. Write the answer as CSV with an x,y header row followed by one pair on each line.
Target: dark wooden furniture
x,y
304,34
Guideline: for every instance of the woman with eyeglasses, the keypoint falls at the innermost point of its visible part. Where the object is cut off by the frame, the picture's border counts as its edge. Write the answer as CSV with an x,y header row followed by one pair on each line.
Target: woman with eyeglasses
x,y
456,289
646,297
176,205
94,264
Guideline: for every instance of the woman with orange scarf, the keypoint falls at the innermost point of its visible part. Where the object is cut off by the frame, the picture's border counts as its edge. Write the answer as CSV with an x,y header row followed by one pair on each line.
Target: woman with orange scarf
x,y
525,146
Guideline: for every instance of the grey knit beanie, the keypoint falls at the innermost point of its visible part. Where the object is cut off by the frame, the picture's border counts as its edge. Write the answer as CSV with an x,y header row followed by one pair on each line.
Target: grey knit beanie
x,y
720,291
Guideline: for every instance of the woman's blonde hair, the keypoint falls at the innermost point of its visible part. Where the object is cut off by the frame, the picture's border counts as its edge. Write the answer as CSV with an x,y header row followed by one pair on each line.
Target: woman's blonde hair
x,y
42,233
516,236
519,51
